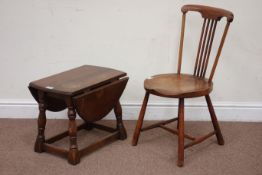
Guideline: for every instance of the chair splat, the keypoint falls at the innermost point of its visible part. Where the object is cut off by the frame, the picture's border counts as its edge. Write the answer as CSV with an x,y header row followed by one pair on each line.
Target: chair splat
x,y
205,46
211,16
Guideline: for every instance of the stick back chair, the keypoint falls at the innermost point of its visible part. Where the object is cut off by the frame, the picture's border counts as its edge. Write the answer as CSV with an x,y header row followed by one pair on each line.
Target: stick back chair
x,y
183,86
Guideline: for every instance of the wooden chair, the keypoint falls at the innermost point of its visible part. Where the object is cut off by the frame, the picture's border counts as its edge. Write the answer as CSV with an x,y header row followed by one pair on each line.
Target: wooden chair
x,y
183,86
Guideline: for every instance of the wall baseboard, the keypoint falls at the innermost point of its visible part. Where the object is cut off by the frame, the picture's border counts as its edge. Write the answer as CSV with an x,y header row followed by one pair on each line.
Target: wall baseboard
x,y
226,111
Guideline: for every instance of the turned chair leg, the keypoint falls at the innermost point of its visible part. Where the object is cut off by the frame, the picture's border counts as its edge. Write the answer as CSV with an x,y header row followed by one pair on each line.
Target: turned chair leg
x,y
140,120
73,155
180,161
219,136
119,121
40,140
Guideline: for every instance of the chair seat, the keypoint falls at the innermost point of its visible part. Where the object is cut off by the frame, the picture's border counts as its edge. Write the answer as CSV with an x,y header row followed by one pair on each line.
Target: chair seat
x,y
178,85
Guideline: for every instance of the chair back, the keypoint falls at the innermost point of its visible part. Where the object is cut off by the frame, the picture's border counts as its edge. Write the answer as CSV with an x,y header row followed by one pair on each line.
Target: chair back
x,y
211,16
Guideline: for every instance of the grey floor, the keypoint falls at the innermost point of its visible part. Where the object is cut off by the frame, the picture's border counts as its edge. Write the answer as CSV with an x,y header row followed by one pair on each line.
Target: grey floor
x,y
156,152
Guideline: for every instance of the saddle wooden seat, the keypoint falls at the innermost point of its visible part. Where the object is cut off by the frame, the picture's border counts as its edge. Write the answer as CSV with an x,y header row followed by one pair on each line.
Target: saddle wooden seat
x,y
178,85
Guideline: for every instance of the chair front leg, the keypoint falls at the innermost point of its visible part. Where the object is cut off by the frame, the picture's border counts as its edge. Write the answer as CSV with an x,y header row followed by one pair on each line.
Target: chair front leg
x,y
219,136
180,161
140,120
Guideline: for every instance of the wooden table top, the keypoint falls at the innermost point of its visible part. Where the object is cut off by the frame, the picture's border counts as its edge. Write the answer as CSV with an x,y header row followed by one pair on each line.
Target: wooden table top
x,y
76,80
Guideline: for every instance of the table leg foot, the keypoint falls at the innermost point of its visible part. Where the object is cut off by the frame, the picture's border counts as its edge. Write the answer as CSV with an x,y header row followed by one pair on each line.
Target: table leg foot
x,y
38,146
73,156
122,133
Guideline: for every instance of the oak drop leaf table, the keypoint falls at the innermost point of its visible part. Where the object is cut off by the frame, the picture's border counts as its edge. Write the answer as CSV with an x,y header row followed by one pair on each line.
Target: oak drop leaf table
x,y
89,91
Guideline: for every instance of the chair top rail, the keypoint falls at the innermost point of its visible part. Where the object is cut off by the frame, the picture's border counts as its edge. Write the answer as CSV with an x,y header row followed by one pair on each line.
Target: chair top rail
x,y
209,12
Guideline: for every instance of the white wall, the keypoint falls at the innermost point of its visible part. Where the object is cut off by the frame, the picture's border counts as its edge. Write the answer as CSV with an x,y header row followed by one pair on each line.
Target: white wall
x,y
39,38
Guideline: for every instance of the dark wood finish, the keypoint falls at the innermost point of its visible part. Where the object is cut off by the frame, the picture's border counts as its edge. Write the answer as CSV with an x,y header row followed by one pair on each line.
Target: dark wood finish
x,y
55,150
95,146
73,155
40,140
59,104
87,150
63,134
183,86
104,98
180,161
119,123
104,128
89,91
77,80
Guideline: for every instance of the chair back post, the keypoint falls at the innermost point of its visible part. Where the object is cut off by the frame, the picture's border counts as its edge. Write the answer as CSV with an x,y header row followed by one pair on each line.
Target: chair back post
x,y
219,52
181,43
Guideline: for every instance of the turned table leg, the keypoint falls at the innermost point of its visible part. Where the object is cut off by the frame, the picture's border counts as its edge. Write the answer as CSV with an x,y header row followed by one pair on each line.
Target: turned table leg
x,y
40,139
119,121
73,155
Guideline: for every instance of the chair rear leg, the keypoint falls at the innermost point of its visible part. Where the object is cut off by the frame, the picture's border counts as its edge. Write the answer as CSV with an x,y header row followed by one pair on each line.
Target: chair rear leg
x,y
180,161
219,136
140,120
177,118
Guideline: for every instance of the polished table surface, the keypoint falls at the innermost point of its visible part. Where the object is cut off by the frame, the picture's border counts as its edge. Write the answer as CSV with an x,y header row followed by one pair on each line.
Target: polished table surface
x,y
77,80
